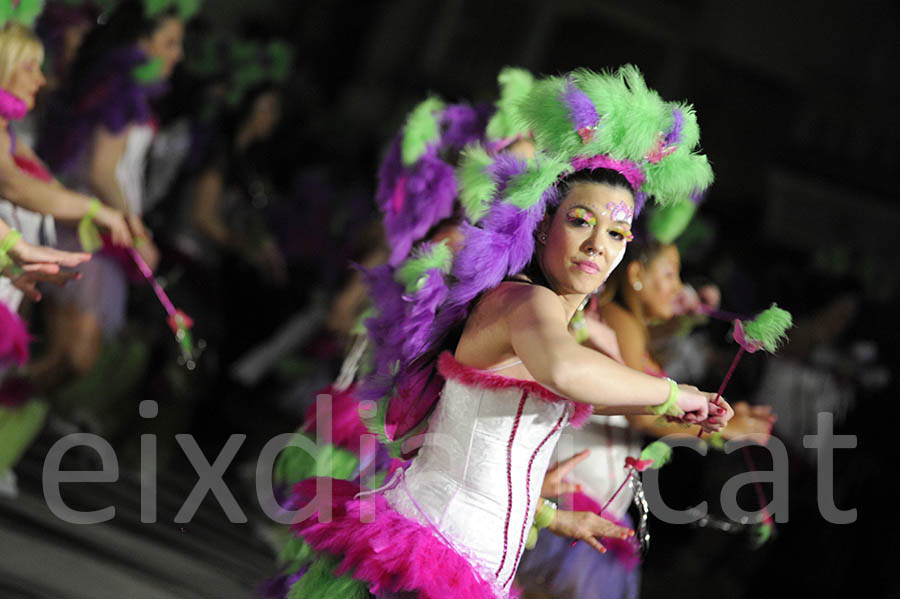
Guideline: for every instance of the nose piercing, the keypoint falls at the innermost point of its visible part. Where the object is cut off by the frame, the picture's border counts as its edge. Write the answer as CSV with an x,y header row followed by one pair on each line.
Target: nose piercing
x,y
591,251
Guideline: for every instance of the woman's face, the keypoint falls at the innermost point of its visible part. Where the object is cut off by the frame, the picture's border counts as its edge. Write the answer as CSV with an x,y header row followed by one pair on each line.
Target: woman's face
x,y
660,284
26,80
166,44
586,237
264,115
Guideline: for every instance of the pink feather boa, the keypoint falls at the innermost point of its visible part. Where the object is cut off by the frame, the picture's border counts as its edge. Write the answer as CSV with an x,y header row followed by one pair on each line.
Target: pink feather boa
x,y
11,107
347,427
391,553
14,338
630,170
451,369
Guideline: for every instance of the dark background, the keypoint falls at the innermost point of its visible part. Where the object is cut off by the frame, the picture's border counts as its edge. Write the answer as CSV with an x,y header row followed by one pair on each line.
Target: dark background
x,y
797,103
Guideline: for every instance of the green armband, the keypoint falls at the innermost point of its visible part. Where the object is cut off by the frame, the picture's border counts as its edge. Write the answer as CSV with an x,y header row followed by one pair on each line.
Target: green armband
x,y
88,234
670,406
11,239
543,517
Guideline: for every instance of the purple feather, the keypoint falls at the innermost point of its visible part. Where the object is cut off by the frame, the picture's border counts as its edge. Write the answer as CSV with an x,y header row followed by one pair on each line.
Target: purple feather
x,y
428,190
463,124
107,96
698,195
640,198
390,170
673,136
506,166
419,319
387,296
582,111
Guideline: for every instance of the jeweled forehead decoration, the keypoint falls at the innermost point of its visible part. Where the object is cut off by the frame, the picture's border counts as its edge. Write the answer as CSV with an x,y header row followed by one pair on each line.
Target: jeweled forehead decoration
x,y
620,211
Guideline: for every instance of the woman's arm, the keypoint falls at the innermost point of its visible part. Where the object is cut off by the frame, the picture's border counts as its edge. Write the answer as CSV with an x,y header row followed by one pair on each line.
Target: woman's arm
x,y
106,153
538,327
39,196
206,214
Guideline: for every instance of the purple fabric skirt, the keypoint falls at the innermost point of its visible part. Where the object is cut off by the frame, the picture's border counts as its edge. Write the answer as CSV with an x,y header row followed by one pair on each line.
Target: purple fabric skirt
x,y
578,572
102,290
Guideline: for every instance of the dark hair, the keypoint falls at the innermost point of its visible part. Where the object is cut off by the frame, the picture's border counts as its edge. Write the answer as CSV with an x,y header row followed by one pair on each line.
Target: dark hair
x,y
599,175
643,250
127,24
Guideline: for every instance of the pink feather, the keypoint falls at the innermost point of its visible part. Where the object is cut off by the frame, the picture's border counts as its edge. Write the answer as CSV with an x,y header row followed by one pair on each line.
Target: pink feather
x,y
14,338
388,551
11,107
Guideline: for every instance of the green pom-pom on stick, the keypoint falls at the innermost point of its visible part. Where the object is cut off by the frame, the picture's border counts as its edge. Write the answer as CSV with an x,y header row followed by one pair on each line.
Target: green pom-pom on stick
x,y
422,128
412,273
761,534
769,328
659,452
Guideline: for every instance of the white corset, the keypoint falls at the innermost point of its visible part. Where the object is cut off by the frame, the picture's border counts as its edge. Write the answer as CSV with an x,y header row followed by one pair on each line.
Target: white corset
x,y
478,475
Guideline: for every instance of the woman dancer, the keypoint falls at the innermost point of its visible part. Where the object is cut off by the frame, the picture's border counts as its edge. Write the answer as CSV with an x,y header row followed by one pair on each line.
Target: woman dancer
x,y
27,189
96,134
645,287
21,417
550,230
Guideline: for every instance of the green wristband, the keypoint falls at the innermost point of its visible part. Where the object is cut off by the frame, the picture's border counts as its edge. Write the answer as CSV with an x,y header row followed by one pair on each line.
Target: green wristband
x,y
88,234
545,514
670,406
11,239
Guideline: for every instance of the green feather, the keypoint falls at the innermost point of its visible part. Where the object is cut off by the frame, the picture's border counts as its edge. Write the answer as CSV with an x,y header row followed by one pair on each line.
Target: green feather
x,y
769,327
525,190
149,71
761,534
295,553
674,178
27,12
281,56
154,7
543,113
320,582
476,186
668,222
422,128
295,464
716,441
514,86
425,258
187,8
659,452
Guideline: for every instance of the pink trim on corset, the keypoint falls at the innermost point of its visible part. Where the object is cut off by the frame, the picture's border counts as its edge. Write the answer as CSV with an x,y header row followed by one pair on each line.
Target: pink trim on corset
x,y
451,369
525,524
512,438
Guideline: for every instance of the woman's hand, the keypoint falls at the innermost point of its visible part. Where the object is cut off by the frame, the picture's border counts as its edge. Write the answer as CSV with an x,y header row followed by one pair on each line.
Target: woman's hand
x,y
115,222
143,241
554,485
39,264
694,403
720,413
753,422
25,254
31,274
587,526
